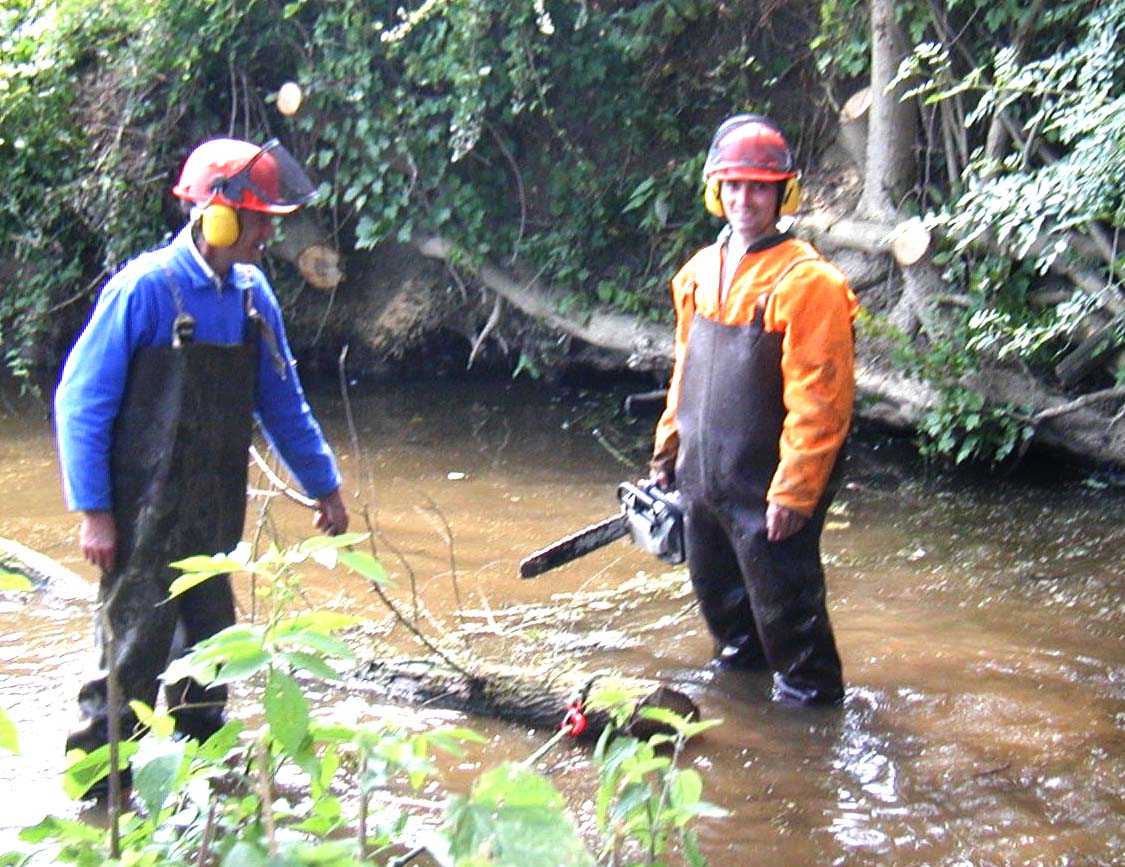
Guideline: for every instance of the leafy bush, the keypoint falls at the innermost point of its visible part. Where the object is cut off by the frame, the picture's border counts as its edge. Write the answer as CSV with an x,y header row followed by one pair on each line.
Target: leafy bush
x,y
298,790
548,133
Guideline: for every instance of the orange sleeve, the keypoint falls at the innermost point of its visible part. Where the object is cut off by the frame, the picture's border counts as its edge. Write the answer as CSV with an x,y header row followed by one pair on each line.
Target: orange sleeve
x,y
667,439
815,308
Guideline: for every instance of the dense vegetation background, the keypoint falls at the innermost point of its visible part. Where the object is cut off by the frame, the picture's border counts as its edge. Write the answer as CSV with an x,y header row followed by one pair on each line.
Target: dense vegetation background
x,y
558,145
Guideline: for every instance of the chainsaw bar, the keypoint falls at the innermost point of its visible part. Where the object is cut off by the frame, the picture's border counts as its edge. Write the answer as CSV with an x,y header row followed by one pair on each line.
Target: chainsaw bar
x,y
574,546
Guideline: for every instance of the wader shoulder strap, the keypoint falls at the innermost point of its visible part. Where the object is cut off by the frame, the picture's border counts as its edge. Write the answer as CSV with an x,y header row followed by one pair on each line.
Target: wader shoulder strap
x,y
258,327
183,326
760,304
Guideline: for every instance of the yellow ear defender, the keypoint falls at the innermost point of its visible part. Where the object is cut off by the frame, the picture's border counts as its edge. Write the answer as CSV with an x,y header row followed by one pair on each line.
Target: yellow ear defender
x,y
711,200
219,225
790,196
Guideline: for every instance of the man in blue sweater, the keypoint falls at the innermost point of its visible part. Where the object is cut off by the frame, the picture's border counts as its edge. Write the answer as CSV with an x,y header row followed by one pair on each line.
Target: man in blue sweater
x,y
154,416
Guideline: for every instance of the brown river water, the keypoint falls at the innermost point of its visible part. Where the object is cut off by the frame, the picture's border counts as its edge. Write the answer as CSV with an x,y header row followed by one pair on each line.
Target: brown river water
x,y
980,623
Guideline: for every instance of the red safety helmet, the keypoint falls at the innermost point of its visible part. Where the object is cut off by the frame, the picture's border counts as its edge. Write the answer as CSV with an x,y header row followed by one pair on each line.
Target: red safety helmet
x,y
227,171
750,147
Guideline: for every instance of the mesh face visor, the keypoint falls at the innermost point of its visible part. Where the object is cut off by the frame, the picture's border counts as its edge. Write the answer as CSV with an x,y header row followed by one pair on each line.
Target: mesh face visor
x,y
274,177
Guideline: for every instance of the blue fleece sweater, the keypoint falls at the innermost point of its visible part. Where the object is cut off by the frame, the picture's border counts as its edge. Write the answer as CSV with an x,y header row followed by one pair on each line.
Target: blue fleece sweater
x,y
136,309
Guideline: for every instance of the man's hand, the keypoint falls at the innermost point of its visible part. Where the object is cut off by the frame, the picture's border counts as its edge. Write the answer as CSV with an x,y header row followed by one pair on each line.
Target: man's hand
x,y
331,516
661,475
781,523
97,537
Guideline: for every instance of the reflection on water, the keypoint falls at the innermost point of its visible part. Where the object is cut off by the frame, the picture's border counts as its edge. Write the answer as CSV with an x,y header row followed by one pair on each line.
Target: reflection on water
x,y
980,627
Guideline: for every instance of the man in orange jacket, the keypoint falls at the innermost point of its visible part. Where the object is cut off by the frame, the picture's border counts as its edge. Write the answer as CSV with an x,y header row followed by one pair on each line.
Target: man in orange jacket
x,y
759,406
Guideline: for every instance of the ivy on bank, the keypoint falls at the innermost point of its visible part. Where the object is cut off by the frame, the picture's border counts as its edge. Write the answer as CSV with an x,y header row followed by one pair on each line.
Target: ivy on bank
x,y
548,132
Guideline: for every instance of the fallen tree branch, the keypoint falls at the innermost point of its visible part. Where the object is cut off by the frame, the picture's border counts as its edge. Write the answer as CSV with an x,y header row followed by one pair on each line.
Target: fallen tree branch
x,y
647,345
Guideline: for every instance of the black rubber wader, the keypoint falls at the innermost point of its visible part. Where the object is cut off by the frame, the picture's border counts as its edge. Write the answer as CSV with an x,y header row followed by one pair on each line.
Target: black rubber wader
x,y
179,470
763,601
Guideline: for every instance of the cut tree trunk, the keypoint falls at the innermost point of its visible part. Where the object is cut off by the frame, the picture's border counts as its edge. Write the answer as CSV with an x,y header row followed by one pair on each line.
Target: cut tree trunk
x,y
304,242
853,127
892,123
532,696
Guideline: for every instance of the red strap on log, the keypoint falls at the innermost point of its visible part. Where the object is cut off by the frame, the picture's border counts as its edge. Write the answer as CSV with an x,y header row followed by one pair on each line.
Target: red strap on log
x,y
574,723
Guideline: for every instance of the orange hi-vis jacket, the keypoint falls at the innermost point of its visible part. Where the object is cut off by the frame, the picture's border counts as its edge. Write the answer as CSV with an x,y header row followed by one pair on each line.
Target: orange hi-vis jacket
x,y
808,300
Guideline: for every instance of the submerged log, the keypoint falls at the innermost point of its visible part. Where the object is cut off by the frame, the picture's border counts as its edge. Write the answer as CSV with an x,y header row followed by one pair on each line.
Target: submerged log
x,y
532,696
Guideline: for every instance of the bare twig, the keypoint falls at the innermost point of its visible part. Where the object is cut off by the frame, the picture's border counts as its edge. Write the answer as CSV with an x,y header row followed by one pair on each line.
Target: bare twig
x,y
279,483
265,795
1079,403
519,187
447,535
374,533
208,834
78,296
113,731
489,326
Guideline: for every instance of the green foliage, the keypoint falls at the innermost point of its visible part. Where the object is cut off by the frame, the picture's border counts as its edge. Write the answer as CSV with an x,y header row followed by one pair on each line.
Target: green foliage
x,y
962,425
9,737
513,816
223,801
643,797
1071,105
519,131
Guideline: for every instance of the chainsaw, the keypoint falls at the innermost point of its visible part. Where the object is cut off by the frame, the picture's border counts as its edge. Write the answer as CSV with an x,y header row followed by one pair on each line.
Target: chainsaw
x,y
652,517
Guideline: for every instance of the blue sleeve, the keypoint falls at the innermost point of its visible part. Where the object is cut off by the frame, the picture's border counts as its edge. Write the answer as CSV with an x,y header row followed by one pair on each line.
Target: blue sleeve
x,y
91,387
281,406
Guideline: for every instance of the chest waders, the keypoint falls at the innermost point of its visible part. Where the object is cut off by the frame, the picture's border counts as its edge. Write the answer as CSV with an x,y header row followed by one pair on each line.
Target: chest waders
x,y
179,471
764,602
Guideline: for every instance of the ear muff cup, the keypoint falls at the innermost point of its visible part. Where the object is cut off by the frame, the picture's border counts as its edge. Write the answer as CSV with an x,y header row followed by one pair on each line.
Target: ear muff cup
x,y
219,225
711,200
790,197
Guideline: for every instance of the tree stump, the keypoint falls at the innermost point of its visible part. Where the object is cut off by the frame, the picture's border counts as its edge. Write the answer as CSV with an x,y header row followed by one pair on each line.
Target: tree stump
x,y
853,127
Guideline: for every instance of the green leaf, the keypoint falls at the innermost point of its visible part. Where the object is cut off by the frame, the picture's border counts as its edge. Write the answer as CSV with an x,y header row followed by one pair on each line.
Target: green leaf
x,y
246,854
692,853
316,640
287,710
518,818
243,666
15,581
685,788
315,621
156,774
213,564
184,583
314,665
221,742
85,769
366,566
161,724
64,830
9,736
320,543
